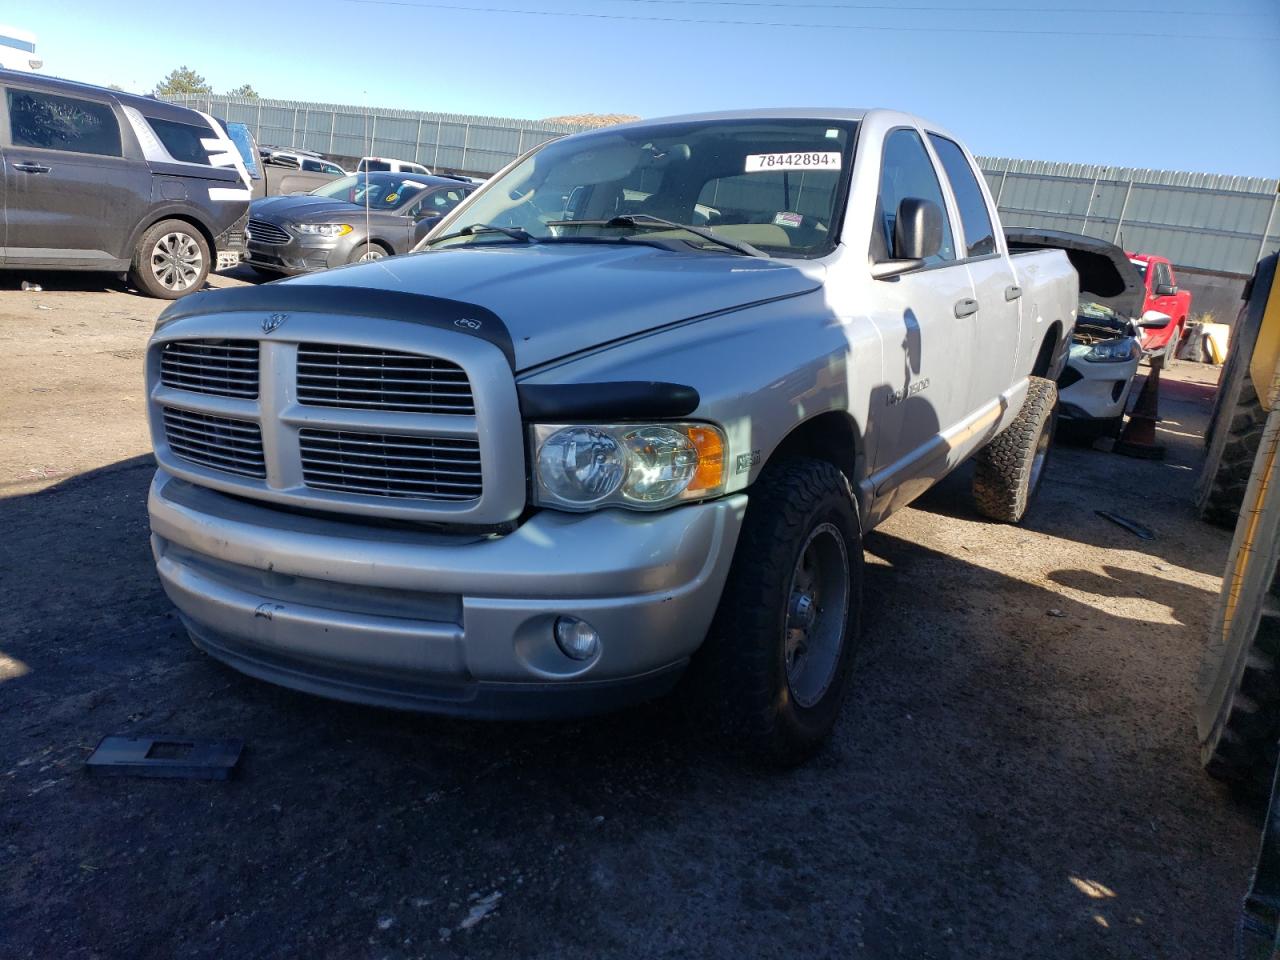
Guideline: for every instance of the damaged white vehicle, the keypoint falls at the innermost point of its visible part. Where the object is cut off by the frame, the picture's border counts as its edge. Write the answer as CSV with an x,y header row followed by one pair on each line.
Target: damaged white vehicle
x,y
1106,345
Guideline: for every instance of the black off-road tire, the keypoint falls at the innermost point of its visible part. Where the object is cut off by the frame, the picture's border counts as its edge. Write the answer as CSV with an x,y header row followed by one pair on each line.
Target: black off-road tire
x,y
143,272
1005,476
741,668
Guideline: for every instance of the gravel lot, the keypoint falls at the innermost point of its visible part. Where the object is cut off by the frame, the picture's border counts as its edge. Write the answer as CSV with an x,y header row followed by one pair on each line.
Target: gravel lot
x,y
1015,774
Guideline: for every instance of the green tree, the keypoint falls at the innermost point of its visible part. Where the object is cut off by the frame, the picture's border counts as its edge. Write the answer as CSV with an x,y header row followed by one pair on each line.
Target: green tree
x,y
180,81
244,90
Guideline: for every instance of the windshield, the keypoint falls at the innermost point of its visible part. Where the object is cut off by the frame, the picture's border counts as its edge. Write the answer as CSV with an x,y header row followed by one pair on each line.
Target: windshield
x,y
777,185
381,191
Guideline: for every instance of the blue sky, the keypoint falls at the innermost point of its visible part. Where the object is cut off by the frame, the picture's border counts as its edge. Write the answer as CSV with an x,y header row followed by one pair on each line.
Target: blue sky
x,y
1124,82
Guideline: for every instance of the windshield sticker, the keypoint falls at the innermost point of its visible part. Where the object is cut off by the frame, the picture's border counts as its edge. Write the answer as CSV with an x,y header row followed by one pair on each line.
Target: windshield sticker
x,y
788,219
392,197
767,162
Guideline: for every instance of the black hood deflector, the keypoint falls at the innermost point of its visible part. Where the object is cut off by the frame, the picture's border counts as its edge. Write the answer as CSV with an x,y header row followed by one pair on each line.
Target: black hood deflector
x,y
284,297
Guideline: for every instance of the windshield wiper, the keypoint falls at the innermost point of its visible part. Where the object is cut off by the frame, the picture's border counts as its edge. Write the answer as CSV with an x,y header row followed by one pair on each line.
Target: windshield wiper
x,y
645,220
515,233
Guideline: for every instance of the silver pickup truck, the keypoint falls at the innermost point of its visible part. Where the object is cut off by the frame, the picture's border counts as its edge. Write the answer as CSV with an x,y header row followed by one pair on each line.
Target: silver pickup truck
x,y
628,409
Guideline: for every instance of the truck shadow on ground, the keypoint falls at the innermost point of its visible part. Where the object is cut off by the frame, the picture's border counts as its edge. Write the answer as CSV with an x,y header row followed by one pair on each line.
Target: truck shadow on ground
x,y
1000,784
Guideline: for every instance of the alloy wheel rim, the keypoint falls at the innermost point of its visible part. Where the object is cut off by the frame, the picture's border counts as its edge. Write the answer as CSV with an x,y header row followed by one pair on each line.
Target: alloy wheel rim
x,y
817,614
373,253
176,261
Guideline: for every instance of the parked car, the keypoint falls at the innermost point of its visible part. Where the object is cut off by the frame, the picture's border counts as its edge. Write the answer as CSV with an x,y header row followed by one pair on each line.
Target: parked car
x,y
1163,295
95,179
577,442
359,217
389,165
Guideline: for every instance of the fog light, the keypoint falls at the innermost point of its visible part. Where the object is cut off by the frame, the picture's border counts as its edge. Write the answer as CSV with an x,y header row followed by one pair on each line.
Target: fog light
x,y
576,638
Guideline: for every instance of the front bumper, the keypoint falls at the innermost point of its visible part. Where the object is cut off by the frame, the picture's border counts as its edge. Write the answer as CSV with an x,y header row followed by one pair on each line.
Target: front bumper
x,y
1090,390
454,624
299,254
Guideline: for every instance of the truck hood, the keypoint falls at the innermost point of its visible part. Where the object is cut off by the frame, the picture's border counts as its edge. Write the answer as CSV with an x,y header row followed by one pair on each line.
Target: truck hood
x,y
557,300
1106,274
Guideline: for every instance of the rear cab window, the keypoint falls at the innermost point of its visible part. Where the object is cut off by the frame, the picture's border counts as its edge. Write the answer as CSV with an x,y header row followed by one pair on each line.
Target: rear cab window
x,y
182,140
975,218
49,122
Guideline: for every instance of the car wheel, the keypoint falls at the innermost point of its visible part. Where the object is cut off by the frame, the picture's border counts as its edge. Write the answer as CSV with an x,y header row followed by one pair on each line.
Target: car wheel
x,y
368,251
777,660
171,260
1008,470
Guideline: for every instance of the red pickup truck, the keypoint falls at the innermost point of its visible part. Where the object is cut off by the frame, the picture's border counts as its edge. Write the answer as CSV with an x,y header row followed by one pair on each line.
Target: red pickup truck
x,y
1163,295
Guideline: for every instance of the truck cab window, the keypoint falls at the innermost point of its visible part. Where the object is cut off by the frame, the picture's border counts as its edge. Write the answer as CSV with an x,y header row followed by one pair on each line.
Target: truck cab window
x,y
907,171
62,123
975,219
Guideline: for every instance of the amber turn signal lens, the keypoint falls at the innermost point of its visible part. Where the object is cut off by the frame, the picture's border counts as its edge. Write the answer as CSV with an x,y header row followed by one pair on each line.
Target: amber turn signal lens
x,y
710,472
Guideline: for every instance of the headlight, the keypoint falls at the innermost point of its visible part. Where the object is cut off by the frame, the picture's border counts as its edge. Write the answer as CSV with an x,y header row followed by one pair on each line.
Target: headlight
x,y
641,466
324,229
1114,351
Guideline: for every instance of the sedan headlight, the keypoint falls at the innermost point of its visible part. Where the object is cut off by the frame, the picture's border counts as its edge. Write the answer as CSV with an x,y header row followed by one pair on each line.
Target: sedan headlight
x,y
323,229
1114,351
640,466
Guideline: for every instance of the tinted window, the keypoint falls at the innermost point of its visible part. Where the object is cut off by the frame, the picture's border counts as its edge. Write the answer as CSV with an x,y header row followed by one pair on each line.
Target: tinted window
x,y
374,165
332,168
182,140
1163,274
906,171
312,166
62,123
975,220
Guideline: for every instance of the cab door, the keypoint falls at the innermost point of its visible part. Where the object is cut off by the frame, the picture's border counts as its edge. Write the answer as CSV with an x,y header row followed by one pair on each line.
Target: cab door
x,y
72,197
993,328
927,348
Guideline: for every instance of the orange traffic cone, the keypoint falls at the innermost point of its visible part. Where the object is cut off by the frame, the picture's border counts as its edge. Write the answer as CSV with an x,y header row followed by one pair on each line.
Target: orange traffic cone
x,y
1138,439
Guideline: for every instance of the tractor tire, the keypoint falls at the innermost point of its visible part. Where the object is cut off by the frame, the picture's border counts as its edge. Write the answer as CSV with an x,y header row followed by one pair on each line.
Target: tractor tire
x,y
1008,470
1238,709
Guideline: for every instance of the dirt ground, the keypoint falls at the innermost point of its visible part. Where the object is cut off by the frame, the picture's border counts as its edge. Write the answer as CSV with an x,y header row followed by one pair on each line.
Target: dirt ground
x,y
1015,774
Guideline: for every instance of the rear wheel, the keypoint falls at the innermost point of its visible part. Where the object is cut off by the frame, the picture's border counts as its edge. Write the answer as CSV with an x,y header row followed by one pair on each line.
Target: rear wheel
x,y
1008,470
778,657
171,260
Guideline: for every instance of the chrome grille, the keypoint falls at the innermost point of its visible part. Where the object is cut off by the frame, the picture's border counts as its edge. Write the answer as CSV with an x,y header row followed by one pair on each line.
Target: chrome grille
x,y
365,379
220,443
267,232
224,368
390,465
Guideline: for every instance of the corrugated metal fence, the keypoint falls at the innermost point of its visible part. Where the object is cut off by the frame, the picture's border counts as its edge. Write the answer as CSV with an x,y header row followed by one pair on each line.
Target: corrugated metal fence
x,y
1203,221
448,141
1206,222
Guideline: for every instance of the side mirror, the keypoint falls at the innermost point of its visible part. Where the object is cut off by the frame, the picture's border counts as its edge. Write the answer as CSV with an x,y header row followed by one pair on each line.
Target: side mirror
x,y
1165,289
1154,320
917,231
917,235
427,215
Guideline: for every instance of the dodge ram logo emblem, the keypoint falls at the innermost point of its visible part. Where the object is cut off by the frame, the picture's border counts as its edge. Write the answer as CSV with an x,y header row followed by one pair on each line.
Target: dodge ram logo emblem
x,y
273,321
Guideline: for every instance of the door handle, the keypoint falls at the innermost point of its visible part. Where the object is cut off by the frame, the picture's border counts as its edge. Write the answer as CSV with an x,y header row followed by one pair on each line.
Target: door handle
x,y
1012,292
966,307
28,166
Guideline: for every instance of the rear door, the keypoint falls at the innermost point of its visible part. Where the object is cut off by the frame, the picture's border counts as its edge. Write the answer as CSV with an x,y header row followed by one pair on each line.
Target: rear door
x,y
927,349
993,329
72,193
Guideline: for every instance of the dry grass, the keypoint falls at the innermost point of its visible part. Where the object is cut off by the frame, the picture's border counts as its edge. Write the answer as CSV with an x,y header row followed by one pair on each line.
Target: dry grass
x,y
593,120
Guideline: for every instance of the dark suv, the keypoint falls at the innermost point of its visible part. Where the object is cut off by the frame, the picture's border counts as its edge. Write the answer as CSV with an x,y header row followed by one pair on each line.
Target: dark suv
x,y
95,179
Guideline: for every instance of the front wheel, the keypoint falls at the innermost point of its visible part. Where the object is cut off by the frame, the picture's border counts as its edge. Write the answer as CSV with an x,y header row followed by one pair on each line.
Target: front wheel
x,y
781,648
171,260
1008,470
366,252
